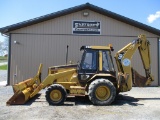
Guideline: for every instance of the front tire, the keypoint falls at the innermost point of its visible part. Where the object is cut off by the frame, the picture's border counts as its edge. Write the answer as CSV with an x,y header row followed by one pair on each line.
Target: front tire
x,y
56,94
101,92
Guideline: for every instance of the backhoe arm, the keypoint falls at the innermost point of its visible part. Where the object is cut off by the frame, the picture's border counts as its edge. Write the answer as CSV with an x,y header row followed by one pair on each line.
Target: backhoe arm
x,y
144,51
123,59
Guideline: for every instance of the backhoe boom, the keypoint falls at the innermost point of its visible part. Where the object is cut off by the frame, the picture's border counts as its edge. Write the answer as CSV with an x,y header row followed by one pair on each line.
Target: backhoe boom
x,y
123,59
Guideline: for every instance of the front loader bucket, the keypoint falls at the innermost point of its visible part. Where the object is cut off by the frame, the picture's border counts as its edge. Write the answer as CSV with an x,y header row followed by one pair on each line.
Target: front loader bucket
x,y
20,97
23,90
16,99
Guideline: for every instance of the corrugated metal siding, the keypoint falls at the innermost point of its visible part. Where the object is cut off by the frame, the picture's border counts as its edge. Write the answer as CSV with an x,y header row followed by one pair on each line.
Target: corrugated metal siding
x,y
63,25
51,49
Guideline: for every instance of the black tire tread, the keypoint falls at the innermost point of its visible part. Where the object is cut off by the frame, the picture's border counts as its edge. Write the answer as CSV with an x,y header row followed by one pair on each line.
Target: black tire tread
x,y
92,88
53,87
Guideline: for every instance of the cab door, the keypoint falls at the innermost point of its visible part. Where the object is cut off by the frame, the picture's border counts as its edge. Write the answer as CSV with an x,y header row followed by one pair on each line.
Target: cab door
x,y
106,61
88,66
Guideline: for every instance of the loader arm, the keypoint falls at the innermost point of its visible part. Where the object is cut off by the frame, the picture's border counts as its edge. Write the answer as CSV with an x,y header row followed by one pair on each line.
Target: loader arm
x,y
27,89
51,78
123,59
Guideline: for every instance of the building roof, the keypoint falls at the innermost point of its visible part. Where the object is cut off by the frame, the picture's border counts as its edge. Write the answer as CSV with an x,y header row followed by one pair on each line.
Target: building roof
x,y
76,9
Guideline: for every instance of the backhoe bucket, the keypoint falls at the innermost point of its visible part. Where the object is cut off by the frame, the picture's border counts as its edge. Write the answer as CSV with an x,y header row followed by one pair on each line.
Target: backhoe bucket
x,y
23,90
138,80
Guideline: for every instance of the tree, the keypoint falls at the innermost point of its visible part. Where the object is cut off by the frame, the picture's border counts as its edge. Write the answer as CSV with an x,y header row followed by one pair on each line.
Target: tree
x,y
4,47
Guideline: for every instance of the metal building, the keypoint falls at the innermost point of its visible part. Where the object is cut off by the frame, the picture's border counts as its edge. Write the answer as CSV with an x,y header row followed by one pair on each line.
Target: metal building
x,y
45,39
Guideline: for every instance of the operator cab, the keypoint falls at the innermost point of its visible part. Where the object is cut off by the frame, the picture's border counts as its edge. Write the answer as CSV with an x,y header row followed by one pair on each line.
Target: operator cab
x,y
95,60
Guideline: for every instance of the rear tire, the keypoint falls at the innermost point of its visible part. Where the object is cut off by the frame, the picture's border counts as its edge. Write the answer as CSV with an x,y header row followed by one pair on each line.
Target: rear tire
x,y
56,94
101,92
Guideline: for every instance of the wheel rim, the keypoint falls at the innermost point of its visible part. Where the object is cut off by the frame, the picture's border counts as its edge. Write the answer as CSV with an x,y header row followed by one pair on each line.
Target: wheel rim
x,y
102,93
55,95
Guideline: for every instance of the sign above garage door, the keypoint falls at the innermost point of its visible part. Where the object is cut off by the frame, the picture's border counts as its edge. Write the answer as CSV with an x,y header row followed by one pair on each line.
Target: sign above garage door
x,y
86,27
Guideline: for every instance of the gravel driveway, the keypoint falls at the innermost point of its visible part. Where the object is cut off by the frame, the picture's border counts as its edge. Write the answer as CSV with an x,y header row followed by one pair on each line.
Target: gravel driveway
x,y
3,77
139,104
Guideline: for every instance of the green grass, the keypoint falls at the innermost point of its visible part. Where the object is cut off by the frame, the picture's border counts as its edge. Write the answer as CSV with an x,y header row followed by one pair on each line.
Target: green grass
x,y
3,67
3,59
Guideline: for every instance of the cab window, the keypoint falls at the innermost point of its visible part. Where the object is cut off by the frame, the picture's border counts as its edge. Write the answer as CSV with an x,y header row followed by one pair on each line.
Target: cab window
x,y
90,60
107,61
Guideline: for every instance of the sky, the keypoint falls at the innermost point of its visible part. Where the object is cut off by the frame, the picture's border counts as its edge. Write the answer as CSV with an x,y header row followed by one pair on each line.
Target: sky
x,y
14,11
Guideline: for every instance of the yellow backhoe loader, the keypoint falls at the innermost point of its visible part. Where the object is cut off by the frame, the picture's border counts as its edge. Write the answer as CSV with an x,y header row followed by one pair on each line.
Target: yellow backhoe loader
x,y
94,76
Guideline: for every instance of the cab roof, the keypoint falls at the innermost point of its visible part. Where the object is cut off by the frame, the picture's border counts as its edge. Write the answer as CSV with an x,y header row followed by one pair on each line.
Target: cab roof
x,y
97,47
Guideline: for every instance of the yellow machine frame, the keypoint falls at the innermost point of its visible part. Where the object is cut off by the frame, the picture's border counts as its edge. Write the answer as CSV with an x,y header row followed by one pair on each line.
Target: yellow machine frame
x,y
66,77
